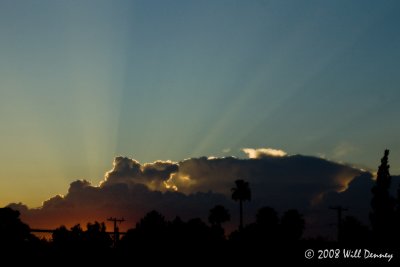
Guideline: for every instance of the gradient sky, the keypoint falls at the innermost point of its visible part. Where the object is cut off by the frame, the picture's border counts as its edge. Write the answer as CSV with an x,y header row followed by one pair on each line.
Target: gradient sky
x,y
84,81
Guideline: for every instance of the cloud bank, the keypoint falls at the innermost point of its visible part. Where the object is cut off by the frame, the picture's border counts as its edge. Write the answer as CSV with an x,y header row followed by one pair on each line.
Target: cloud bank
x,y
189,188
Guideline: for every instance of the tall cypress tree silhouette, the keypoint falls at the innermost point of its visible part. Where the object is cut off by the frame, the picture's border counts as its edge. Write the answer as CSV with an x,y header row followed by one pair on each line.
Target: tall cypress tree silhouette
x,y
382,215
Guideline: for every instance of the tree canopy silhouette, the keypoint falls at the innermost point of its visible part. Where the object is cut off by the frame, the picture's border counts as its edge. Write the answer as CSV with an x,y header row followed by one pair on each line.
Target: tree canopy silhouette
x,y
14,233
218,215
150,231
241,193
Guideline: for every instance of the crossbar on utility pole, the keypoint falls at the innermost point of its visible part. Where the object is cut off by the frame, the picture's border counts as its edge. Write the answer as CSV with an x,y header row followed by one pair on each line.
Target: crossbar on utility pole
x,y
116,229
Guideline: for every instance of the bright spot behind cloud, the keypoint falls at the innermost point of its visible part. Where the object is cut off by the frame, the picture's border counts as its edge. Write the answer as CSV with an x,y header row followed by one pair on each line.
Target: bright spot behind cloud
x,y
256,153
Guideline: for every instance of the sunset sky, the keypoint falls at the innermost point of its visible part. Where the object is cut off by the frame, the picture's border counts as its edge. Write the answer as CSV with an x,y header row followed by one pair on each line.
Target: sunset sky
x,y
82,82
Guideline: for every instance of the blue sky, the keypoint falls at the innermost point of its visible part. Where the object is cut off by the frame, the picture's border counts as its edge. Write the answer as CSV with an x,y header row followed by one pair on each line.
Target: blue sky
x,y
84,81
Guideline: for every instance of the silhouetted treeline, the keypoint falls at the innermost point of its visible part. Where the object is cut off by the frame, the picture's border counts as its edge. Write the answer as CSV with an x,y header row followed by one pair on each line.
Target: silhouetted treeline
x,y
154,233
94,238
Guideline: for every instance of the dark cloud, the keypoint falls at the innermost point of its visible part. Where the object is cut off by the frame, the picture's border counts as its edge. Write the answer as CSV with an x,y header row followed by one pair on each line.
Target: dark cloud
x,y
290,181
89,203
131,189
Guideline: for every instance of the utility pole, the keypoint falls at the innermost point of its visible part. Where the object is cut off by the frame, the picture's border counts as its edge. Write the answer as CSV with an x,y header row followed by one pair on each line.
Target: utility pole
x,y
340,211
116,229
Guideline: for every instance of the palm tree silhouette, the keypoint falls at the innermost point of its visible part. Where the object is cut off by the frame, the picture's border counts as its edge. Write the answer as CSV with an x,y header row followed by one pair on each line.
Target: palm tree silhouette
x,y
241,193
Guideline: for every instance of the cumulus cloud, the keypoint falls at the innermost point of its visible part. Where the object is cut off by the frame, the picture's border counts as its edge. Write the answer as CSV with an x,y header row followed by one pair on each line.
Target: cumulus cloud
x,y
258,153
129,171
191,187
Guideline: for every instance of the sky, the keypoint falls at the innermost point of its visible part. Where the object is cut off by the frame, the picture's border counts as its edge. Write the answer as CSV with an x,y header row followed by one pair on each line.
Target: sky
x,y
82,82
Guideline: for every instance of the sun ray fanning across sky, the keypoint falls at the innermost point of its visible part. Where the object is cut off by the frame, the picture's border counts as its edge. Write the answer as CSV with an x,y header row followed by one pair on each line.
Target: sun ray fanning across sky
x,y
82,83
